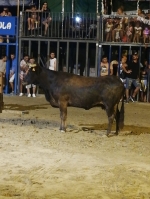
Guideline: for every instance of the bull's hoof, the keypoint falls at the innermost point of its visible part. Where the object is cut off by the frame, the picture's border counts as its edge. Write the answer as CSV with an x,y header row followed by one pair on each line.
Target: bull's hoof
x,y
62,131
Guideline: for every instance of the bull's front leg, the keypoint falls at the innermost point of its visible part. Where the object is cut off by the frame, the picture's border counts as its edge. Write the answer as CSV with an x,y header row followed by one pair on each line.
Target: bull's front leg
x,y
110,122
63,116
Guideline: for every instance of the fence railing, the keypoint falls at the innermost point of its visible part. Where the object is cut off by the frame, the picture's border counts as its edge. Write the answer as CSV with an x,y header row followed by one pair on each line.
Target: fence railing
x,y
59,25
105,28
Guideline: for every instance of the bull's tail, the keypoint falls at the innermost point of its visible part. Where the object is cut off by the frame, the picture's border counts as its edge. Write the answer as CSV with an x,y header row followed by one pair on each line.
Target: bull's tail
x,y
121,116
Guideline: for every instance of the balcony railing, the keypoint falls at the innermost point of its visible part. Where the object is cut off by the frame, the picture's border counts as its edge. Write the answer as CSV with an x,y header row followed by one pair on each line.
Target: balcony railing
x,y
105,28
59,25
125,29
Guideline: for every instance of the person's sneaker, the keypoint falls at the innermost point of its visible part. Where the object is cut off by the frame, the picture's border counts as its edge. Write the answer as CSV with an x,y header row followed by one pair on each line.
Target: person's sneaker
x,y
33,95
21,94
29,95
127,101
12,93
132,99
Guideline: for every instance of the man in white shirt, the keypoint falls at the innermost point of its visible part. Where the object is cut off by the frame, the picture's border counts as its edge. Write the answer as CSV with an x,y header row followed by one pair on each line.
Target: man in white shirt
x,y
51,63
23,69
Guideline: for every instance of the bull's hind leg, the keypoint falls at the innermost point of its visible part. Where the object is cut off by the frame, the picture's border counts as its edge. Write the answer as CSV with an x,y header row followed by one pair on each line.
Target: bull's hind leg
x,y
63,116
111,113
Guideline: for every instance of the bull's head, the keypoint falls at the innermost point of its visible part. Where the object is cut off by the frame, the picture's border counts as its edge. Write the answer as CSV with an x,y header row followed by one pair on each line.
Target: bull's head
x,y
32,74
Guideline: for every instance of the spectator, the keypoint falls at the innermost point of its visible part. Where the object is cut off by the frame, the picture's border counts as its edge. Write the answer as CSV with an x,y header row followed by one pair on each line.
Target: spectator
x,y
117,33
140,13
3,67
31,64
114,65
132,77
51,63
143,79
121,72
137,32
33,17
46,19
1,39
146,35
12,71
108,29
104,67
24,65
6,12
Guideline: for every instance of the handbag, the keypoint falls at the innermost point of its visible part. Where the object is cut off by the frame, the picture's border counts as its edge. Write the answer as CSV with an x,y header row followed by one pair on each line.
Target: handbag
x,y
122,75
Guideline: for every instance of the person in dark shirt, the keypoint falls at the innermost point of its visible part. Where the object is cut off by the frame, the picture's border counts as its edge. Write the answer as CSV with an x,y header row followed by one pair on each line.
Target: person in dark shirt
x,y
46,19
143,78
132,77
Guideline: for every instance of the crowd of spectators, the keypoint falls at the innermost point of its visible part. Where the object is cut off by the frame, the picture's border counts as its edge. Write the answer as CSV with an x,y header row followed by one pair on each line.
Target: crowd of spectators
x,y
134,75
125,28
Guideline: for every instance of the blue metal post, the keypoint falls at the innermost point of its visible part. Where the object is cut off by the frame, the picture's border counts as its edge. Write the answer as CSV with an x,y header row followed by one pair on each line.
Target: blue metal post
x,y
7,70
16,54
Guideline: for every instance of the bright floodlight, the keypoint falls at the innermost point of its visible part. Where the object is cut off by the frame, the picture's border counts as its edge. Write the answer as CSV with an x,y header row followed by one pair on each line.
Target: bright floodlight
x,y
78,19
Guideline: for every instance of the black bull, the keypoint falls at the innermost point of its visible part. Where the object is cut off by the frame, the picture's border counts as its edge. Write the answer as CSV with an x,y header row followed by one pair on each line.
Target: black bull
x,y
64,89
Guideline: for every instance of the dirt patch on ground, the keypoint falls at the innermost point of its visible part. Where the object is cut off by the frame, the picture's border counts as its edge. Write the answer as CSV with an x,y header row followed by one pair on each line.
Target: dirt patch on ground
x,y
39,162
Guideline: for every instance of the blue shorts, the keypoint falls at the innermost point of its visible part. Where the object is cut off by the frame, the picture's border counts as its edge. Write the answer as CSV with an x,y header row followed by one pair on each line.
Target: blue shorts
x,y
130,81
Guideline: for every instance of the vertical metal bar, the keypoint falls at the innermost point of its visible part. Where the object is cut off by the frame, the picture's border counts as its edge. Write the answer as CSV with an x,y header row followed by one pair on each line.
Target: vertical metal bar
x,y
39,50
109,59
29,47
101,28
16,54
18,8
130,52
139,69
87,60
77,56
119,59
23,6
98,58
57,66
48,50
39,4
72,8
97,6
98,27
19,53
148,86
62,18
7,70
67,57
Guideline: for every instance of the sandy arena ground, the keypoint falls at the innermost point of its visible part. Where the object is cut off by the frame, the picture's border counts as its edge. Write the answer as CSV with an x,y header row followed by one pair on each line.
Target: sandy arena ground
x,y
39,162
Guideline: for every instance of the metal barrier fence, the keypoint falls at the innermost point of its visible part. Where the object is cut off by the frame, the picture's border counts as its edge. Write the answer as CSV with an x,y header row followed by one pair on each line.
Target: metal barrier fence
x,y
9,27
59,25
125,29
105,28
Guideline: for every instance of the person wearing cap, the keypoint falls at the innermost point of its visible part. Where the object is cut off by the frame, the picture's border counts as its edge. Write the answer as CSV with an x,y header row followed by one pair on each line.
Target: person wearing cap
x,y
132,77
